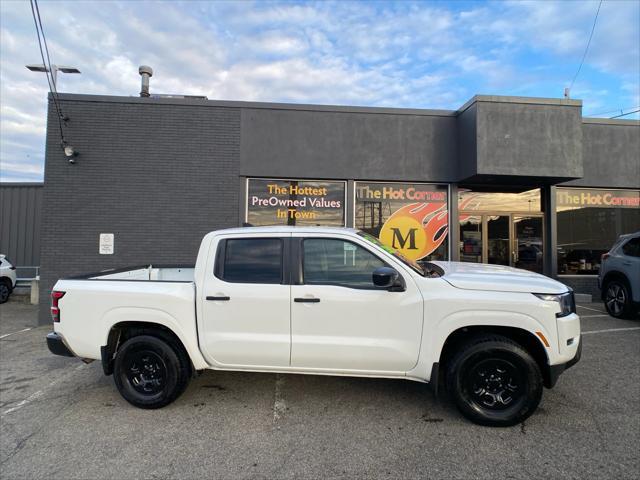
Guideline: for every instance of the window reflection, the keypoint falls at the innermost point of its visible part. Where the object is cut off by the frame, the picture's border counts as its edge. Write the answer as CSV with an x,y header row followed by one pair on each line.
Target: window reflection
x,y
338,262
524,202
471,239
589,222
255,260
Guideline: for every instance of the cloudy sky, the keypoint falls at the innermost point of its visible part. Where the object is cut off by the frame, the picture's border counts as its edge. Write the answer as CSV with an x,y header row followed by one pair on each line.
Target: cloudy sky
x,y
403,54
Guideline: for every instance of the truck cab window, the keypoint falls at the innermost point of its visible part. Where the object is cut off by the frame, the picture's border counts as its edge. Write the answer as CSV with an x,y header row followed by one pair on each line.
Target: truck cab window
x,y
337,262
253,260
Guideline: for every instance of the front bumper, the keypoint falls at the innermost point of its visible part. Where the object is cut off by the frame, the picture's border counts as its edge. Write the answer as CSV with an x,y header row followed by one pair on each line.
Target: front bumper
x,y
555,370
57,346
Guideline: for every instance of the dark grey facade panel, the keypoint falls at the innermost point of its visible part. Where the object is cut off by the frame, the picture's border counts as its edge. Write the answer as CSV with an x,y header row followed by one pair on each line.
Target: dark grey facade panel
x,y
610,154
328,145
156,176
529,140
467,142
20,208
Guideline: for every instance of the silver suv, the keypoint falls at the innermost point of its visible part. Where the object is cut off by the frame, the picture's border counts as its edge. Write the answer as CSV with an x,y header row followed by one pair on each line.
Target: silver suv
x,y
619,277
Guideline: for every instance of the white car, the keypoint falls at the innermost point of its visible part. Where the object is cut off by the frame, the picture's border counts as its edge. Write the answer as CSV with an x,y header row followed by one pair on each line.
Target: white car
x,y
7,278
323,301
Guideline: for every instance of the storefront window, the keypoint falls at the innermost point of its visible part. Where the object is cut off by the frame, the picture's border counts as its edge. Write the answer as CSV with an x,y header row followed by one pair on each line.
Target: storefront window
x,y
501,228
525,202
295,202
589,222
412,218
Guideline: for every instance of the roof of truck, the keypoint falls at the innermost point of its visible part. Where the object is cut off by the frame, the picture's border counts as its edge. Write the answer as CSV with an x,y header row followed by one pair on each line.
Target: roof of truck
x,y
285,229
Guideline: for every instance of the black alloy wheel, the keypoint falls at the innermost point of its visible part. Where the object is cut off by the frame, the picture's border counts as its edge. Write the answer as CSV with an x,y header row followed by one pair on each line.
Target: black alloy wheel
x,y
146,372
616,299
494,381
151,371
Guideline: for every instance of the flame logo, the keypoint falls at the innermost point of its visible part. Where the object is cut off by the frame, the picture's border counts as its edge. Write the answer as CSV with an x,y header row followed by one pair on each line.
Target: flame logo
x,y
418,229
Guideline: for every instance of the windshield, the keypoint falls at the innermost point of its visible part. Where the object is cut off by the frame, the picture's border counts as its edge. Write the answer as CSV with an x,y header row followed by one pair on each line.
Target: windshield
x,y
415,266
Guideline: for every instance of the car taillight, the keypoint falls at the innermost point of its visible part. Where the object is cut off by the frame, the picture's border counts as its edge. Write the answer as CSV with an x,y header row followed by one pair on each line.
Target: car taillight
x,y
604,257
55,309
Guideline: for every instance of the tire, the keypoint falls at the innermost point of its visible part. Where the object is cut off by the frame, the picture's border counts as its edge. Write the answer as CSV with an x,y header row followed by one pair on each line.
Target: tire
x,y
5,291
151,371
494,381
617,299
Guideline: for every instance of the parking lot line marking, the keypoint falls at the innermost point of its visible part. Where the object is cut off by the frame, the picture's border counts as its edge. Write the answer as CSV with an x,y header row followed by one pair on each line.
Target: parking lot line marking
x,y
39,393
13,333
279,405
593,316
592,309
612,330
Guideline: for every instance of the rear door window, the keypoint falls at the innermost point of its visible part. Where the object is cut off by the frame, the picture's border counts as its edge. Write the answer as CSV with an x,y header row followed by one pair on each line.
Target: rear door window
x,y
251,260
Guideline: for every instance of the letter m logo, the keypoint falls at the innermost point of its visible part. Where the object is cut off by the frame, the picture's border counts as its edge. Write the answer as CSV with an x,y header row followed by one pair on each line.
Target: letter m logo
x,y
398,239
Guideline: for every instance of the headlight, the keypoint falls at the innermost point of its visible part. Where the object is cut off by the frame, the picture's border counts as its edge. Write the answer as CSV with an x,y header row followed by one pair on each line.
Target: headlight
x,y
566,302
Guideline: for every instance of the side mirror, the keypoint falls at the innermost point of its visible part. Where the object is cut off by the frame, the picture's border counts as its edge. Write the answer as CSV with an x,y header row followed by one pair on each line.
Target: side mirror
x,y
387,277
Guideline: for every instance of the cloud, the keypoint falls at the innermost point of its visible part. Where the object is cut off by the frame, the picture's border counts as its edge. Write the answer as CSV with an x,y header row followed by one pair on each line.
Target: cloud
x,y
402,54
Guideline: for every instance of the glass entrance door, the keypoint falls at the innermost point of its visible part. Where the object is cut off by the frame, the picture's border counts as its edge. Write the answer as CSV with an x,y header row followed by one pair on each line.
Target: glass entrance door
x,y
471,238
508,239
498,239
528,243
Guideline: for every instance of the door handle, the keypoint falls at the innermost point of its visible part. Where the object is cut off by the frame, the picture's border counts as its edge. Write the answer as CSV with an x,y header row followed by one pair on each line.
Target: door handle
x,y
218,299
306,300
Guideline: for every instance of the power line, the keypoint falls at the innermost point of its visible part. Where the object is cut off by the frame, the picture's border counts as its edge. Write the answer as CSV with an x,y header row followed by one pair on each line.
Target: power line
x,y
46,48
588,43
48,70
621,110
625,114
52,73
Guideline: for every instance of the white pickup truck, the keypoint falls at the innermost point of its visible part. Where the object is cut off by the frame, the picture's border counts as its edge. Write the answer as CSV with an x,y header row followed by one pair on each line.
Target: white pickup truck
x,y
323,301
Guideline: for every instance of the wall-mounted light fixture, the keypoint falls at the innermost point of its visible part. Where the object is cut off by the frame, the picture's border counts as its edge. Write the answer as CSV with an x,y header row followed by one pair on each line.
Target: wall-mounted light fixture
x,y
69,152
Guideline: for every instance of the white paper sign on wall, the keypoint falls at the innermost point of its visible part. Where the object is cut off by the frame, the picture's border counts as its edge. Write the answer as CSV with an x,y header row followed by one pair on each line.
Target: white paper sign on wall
x,y
106,244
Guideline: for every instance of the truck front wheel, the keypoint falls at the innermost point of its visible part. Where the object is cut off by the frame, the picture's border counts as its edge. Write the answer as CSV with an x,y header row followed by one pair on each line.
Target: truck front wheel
x,y
494,381
151,372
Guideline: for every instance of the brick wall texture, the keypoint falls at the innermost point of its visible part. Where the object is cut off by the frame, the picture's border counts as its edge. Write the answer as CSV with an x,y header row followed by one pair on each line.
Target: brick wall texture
x,y
176,169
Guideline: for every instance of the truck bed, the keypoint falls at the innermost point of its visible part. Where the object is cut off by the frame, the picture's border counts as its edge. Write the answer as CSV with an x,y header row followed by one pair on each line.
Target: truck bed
x,y
145,273
93,303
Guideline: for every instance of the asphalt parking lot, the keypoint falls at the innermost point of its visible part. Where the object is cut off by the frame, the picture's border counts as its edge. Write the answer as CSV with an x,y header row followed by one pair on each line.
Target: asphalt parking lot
x,y
62,419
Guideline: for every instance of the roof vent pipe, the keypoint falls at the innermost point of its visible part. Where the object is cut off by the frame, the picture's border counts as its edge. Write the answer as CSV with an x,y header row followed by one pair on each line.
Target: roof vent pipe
x,y
145,72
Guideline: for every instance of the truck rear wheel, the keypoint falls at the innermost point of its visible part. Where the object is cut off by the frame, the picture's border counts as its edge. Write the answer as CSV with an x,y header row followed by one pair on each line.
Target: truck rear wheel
x,y
151,372
494,381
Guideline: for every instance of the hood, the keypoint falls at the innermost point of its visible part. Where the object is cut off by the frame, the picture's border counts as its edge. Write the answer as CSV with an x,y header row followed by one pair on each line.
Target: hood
x,y
498,278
